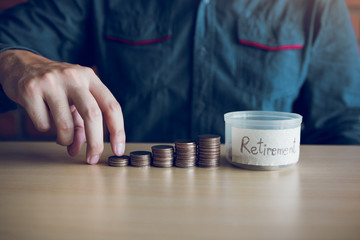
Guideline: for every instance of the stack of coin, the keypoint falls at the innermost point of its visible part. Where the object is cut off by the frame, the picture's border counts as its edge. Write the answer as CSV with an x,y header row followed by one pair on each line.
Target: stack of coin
x,y
118,161
185,150
208,150
163,155
140,158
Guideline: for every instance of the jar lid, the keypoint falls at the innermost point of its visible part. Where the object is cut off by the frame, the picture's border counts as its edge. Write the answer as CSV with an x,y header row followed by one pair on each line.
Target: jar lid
x,y
263,119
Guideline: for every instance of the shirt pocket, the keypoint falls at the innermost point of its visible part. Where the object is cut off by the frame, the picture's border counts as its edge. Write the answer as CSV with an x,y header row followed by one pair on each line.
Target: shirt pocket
x,y
137,35
269,60
138,23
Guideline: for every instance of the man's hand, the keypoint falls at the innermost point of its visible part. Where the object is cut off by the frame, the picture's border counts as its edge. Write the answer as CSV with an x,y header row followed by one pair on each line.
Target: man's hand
x,y
74,96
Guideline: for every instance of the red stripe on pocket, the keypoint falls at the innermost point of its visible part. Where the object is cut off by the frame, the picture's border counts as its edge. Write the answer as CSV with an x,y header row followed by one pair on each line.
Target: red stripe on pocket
x,y
270,48
136,43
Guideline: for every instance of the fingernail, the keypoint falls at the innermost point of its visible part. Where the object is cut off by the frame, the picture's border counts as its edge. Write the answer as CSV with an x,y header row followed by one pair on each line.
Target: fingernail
x,y
119,149
93,160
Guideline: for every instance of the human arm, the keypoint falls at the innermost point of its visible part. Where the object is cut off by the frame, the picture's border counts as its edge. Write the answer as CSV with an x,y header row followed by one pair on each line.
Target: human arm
x,y
72,95
330,97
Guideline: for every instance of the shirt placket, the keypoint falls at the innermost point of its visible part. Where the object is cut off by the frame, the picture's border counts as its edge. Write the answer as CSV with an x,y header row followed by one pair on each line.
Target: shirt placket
x,y
202,69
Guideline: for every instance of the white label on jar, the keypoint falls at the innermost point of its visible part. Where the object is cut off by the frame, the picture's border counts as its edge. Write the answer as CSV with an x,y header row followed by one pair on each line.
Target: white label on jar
x,y
265,147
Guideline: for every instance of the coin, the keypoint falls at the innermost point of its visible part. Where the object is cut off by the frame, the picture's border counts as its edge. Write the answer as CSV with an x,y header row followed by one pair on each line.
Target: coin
x,y
162,148
208,150
118,161
162,164
140,158
188,158
163,155
185,164
186,153
208,138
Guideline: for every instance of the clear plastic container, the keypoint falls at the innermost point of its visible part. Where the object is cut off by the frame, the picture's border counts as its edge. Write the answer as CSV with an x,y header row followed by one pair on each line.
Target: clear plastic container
x,y
262,140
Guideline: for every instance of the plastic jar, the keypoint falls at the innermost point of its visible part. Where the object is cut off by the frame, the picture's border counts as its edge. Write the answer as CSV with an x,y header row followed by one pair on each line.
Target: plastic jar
x,y
262,140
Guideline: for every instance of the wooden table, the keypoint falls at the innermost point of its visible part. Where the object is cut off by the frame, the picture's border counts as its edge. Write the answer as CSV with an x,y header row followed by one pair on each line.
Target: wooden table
x,y
45,194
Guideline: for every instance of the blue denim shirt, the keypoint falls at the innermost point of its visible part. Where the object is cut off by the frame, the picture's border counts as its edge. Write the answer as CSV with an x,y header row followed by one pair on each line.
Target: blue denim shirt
x,y
177,66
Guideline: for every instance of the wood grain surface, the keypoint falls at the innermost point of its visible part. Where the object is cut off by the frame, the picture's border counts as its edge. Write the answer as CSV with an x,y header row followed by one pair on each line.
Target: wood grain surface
x,y
45,194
